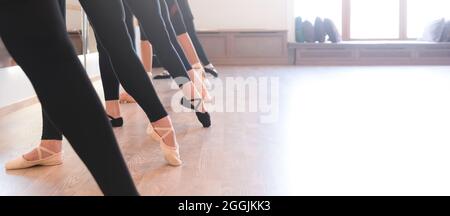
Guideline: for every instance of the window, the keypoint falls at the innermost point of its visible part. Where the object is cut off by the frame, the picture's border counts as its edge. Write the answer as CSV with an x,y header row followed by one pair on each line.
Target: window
x,y
310,9
374,19
422,12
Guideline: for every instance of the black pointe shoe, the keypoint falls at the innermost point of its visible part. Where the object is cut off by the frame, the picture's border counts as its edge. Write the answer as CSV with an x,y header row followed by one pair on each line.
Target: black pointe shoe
x,y
204,118
212,71
116,122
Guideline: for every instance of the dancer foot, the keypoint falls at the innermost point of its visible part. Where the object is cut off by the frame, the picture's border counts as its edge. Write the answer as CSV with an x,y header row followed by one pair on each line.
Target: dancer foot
x,y
116,122
203,117
163,131
211,70
49,153
194,101
113,111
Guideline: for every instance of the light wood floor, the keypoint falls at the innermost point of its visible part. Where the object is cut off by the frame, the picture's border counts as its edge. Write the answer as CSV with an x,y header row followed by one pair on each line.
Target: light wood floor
x,y
341,131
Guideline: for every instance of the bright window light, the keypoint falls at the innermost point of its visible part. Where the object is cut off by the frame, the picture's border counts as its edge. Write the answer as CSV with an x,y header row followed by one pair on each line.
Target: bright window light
x,y
423,12
372,19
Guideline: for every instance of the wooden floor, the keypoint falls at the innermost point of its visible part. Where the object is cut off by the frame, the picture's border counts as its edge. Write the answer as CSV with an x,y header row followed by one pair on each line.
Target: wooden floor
x,y
340,131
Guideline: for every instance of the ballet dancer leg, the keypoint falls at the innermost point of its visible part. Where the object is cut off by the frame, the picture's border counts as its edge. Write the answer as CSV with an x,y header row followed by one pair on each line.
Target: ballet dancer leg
x,y
124,97
190,26
49,150
171,9
48,153
111,88
182,43
172,36
148,13
111,91
111,34
40,45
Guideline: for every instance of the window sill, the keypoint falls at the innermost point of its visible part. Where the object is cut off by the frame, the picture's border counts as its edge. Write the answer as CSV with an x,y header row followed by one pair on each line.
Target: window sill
x,y
380,43
372,53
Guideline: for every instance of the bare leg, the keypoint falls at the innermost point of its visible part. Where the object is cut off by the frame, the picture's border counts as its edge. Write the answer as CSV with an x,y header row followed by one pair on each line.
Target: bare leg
x,y
147,55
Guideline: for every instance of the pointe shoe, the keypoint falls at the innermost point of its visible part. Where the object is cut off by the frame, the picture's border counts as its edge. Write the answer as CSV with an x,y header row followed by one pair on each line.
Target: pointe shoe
x,y
204,118
116,122
212,71
171,154
21,163
150,131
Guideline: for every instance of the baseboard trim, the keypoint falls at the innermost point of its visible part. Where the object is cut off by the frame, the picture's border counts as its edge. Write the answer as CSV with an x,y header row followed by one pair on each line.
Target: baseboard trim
x,y
365,53
251,61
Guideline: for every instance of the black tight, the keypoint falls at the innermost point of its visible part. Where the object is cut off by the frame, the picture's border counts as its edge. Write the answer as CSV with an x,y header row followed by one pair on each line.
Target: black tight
x,y
118,61
171,30
111,85
176,17
129,20
188,18
49,130
62,7
148,13
108,21
34,34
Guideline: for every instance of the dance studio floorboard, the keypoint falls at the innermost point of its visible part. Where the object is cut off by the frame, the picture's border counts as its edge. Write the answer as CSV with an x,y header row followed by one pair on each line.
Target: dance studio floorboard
x,y
335,131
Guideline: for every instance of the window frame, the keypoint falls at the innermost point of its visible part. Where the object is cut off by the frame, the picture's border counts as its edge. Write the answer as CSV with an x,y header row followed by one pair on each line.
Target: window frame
x,y
346,22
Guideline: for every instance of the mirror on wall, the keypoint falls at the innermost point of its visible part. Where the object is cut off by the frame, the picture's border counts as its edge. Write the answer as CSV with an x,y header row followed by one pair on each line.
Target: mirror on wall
x,y
78,29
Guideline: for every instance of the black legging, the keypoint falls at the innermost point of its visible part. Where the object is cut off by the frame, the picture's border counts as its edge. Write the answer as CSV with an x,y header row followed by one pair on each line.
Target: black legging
x,y
34,34
111,85
176,17
108,21
148,13
115,48
129,20
62,8
49,131
188,18
172,35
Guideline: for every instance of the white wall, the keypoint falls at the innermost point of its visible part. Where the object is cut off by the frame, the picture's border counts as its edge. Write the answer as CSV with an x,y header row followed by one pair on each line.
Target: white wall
x,y
229,14
244,14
